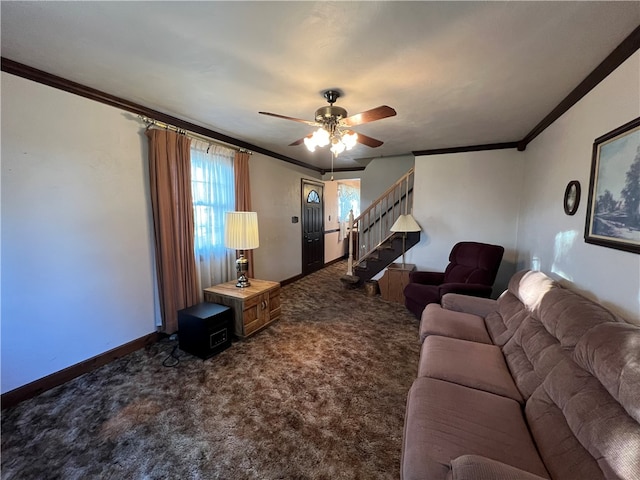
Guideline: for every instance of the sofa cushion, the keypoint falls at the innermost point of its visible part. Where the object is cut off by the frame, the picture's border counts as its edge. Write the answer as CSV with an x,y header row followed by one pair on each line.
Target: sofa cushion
x,y
436,320
597,421
471,364
521,299
549,333
531,354
530,287
503,323
563,455
475,467
469,304
568,315
444,421
611,353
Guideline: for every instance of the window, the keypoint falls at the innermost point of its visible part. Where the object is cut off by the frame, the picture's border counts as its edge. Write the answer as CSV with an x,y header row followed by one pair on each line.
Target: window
x,y
313,197
213,194
348,199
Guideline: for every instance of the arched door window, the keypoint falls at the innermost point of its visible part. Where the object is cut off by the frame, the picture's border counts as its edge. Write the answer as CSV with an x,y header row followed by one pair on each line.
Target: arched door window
x,y
313,197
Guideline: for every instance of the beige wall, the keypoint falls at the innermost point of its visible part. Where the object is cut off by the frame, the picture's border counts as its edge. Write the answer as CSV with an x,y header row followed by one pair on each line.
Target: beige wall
x,y
554,242
77,249
275,195
515,199
467,197
333,246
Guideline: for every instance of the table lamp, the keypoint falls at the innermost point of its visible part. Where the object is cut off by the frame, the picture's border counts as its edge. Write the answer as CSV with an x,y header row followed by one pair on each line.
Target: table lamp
x,y
405,223
241,233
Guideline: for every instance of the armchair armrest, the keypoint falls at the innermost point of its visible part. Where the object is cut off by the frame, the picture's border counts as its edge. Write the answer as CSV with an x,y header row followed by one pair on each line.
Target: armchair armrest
x,y
469,304
476,467
426,278
475,289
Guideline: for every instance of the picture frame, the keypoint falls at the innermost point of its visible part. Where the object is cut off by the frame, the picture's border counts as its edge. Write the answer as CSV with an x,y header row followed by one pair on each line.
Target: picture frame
x,y
613,209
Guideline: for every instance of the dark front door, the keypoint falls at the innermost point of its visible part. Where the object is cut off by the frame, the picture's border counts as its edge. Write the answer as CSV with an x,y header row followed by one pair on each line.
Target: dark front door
x,y
312,226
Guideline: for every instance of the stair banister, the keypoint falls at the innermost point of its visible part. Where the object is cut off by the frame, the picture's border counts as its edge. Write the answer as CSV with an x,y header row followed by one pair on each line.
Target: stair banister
x,y
366,222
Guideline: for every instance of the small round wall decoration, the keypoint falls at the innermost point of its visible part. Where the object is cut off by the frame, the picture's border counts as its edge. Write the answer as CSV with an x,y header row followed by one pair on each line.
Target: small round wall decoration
x,y
572,197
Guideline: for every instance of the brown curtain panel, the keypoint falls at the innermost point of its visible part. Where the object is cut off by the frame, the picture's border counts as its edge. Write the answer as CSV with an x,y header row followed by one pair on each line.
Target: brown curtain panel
x,y
243,194
170,181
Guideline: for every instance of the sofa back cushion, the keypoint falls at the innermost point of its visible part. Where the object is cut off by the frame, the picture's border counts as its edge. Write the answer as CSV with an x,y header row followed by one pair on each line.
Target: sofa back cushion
x,y
568,315
473,262
611,353
530,287
504,322
555,320
585,413
520,300
531,354
562,453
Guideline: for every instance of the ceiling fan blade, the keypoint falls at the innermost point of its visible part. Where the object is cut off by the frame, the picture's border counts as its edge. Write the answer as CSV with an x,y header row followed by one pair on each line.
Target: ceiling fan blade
x,y
372,115
368,141
298,142
308,122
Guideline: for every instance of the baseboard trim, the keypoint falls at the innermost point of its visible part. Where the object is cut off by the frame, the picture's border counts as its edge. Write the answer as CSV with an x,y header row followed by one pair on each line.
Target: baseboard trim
x,y
287,281
302,275
17,395
336,260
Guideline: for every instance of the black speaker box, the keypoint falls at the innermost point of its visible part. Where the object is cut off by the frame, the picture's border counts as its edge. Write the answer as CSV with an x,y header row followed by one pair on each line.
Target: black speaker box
x,y
205,329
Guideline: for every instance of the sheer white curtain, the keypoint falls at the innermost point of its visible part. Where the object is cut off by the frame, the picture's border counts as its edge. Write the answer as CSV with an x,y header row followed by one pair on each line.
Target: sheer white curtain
x,y
213,194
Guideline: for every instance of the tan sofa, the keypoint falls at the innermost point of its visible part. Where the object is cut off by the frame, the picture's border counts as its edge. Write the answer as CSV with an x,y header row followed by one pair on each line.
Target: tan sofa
x,y
541,383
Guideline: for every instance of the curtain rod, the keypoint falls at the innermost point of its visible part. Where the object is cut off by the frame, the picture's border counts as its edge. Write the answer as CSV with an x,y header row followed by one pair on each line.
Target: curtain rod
x,y
151,121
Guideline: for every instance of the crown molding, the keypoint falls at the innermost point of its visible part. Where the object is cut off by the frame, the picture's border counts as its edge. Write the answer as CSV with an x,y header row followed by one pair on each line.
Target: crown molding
x,y
616,58
470,148
40,76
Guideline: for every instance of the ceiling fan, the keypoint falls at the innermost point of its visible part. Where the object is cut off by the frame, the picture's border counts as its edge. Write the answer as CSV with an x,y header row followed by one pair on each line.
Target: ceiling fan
x,y
334,126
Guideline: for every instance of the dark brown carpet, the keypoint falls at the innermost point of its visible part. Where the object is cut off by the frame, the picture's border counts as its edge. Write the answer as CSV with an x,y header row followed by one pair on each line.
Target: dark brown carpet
x,y
318,395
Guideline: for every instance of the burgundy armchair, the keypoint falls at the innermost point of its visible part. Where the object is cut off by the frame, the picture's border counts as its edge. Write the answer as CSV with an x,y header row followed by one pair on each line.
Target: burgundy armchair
x,y
472,270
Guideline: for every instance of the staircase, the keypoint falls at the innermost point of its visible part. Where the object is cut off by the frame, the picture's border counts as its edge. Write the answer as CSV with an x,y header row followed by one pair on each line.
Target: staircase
x,y
373,246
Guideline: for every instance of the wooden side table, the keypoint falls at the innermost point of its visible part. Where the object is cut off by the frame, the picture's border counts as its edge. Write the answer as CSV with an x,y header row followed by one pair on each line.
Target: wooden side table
x,y
254,307
395,278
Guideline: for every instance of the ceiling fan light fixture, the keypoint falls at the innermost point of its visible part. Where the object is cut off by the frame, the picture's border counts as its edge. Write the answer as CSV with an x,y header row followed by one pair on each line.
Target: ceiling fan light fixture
x,y
337,147
322,137
350,140
310,144
319,138
335,125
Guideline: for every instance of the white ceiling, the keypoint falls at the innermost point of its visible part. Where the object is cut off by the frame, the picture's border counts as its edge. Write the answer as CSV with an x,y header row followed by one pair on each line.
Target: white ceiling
x,y
458,73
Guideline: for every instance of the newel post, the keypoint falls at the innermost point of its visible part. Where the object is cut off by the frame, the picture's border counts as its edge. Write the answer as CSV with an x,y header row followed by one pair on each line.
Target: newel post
x,y
350,260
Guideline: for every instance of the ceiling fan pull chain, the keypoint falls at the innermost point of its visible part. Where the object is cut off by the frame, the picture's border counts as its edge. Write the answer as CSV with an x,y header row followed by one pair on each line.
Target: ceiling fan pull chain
x,y
332,157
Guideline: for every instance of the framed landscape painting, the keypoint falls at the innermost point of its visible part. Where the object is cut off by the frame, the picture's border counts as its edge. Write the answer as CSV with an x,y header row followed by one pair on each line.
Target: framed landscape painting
x,y
613,211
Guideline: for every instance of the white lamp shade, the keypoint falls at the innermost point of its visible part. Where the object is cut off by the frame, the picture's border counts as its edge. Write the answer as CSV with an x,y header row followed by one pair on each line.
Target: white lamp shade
x,y
405,223
241,230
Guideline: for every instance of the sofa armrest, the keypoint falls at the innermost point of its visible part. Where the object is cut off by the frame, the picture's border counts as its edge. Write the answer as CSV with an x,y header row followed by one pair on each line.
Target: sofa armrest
x,y
426,278
476,467
468,304
474,289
